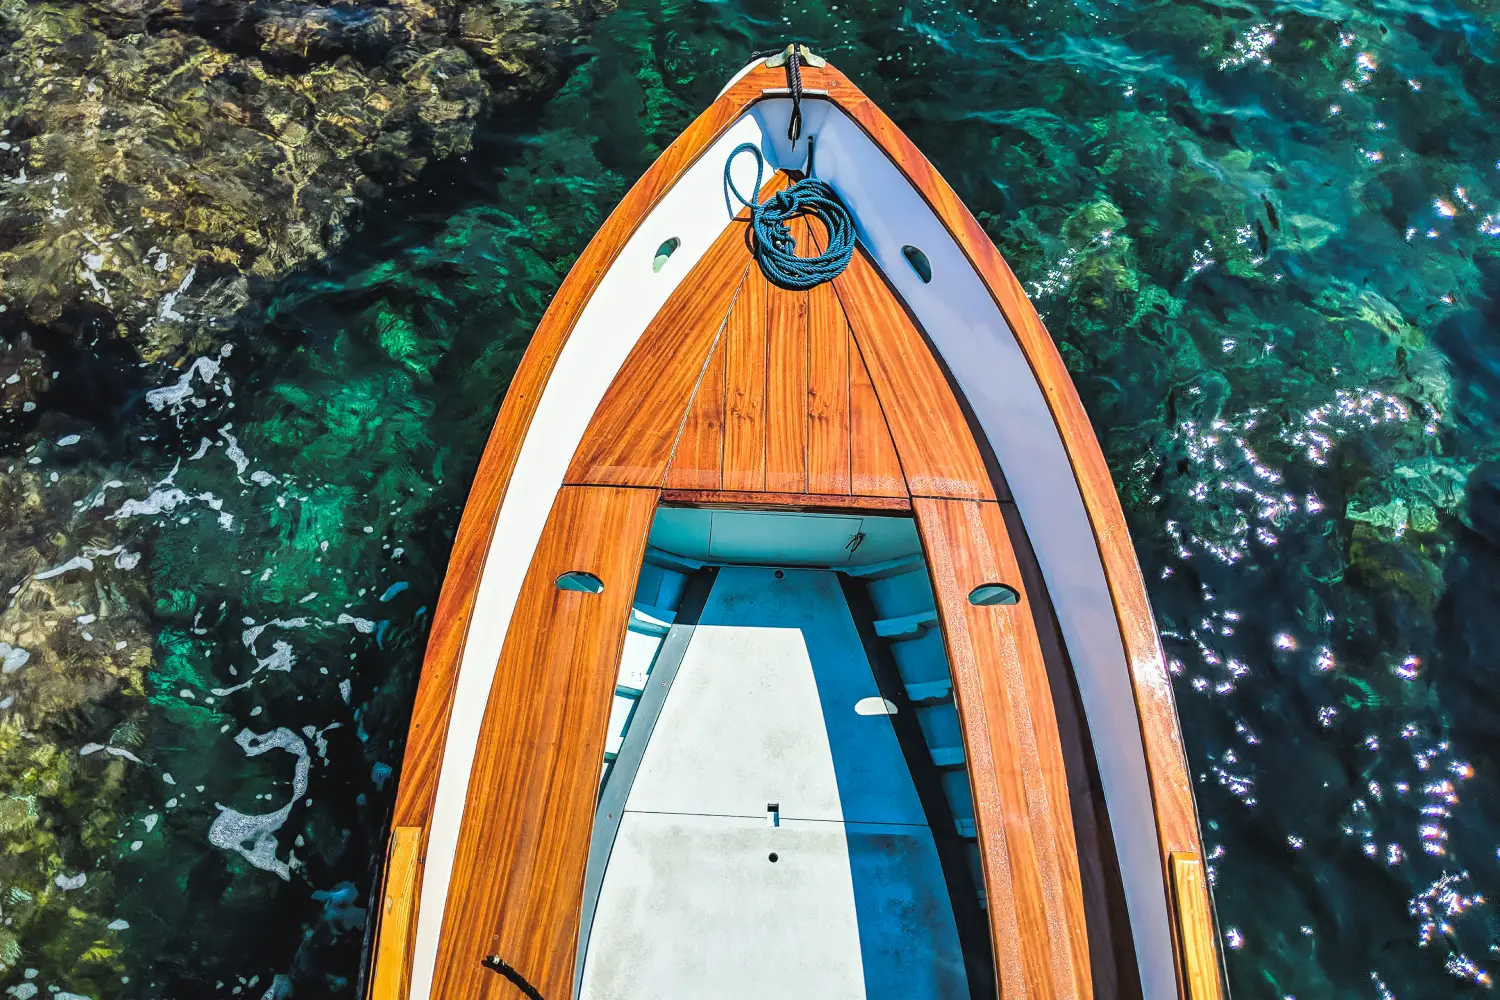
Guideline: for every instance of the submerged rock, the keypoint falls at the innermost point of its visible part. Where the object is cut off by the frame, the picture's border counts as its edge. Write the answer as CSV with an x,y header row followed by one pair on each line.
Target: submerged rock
x,y
157,155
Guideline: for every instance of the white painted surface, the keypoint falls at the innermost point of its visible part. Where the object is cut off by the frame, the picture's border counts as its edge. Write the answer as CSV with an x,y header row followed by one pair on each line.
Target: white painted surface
x,y
695,210
763,711
705,914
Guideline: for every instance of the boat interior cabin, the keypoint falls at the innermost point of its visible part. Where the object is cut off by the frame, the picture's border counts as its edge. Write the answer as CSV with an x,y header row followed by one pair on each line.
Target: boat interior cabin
x,y
785,806
784,793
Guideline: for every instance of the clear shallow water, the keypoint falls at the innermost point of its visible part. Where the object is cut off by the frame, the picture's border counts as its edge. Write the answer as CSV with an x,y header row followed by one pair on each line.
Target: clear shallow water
x,y
1263,236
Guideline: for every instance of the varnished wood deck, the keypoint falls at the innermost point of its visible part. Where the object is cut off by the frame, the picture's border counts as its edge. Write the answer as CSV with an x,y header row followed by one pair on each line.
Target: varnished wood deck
x,y
743,393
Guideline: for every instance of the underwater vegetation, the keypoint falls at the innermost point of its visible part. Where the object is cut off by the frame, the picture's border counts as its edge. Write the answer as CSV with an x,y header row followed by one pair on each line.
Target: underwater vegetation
x,y
1264,236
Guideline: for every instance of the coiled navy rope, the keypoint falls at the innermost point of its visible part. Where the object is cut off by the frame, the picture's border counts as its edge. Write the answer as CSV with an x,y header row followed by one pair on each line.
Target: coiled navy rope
x,y
775,247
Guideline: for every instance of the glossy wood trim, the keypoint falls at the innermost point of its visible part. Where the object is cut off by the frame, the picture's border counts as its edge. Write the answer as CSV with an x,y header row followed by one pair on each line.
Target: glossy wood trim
x,y
1195,927
1016,772
518,874
390,974
784,501
1166,760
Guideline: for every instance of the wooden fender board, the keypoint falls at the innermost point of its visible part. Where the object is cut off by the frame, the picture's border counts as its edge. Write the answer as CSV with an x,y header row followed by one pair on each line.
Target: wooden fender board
x,y
824,400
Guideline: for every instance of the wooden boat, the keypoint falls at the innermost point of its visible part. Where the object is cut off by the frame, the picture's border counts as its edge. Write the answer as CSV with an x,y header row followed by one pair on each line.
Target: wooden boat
x,y
833,589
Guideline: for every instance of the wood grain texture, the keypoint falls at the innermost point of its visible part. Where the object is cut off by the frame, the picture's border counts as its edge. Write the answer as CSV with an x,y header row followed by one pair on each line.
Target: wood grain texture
x,y
523,845
745,387
631,436
828,423
698,461
390,973
787,501
874,468
1195,927
786,383
932,437
1016,772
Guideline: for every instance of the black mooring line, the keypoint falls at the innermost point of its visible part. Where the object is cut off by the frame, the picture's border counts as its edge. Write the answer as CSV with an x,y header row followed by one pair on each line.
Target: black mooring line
x,y
497,964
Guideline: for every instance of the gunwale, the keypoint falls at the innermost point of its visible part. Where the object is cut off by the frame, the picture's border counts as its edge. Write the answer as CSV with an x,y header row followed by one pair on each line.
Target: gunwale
x,y
1173,806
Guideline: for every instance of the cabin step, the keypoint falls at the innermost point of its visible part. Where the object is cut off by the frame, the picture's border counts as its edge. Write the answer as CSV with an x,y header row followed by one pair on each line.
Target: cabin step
x,y
947,756
646,620
930,692
906,626
966,828
626,691
891,567
672,561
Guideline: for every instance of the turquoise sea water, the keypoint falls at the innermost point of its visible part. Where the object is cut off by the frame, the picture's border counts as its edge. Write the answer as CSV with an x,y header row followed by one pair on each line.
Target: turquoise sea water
x,y
1264,236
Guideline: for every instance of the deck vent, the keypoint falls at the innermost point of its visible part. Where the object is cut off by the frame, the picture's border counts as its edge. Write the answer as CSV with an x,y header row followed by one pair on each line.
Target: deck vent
x,y
987,594
664,253
919,262
578,580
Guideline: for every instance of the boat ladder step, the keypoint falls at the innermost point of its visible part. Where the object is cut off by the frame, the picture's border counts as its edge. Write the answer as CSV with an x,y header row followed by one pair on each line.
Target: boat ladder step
x,y
947,756
907,626
930,692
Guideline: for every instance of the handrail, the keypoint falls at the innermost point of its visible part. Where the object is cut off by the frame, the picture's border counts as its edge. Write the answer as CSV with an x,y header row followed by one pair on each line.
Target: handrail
x,y
391,971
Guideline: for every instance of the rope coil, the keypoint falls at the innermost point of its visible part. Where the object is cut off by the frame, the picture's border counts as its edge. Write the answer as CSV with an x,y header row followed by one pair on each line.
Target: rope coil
x,y
775,248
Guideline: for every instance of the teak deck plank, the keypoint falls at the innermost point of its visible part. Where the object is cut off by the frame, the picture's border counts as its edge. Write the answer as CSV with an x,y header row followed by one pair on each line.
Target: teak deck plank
x,y
786,388
785,501
936,447
523,845
698,460
873,466
1016,769
828,424
745,387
